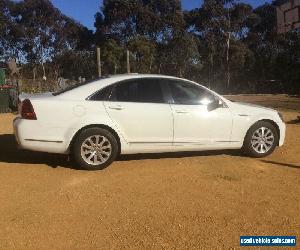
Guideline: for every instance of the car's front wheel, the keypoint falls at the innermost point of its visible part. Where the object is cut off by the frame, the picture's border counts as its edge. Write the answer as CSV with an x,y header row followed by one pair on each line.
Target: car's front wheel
x,y
261,139
95,149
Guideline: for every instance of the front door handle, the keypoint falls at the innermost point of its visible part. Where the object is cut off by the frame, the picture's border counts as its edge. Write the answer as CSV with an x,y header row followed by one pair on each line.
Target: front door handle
x,y
117,107
181,111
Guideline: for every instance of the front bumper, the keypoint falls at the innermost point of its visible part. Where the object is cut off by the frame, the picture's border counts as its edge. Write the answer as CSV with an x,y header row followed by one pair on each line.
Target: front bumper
x,y
282,129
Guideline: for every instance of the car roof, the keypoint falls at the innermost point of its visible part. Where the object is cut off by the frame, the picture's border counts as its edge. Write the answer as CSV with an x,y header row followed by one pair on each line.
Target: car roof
x,y
86,89
137,75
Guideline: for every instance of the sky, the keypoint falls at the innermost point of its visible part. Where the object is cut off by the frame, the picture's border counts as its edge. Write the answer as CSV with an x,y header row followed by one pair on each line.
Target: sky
x,y
85,10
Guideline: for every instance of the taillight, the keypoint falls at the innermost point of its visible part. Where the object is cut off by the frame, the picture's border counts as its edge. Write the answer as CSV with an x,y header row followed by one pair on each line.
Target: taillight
x,y
27,111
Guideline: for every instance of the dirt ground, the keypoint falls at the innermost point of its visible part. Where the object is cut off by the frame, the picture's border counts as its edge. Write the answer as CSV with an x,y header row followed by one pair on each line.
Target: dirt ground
x,y
200,200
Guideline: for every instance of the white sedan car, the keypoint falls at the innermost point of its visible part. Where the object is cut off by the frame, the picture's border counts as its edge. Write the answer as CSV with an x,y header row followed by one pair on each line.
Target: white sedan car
x,y
129,114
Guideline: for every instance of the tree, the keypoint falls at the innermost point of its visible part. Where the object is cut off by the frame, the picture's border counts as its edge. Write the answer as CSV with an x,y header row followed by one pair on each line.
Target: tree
x,y
112,55
209,24
156,20
143,53
219,24
45,31
181,55
262,40
140,26
224,44
74,64
10,33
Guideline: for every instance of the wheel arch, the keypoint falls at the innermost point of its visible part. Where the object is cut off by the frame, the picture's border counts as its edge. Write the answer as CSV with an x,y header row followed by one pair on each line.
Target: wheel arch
x,y
269,121
108,128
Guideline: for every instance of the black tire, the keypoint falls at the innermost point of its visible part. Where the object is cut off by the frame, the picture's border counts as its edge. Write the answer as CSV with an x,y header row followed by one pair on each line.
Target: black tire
x,y
83,136
249,149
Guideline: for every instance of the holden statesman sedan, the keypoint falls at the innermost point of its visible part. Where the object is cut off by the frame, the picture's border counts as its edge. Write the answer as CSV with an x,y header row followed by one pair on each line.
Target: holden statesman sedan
x,y
129,114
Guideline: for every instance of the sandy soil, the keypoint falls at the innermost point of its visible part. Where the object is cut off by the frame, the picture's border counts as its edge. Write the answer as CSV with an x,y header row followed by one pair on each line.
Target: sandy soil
x,y
164,201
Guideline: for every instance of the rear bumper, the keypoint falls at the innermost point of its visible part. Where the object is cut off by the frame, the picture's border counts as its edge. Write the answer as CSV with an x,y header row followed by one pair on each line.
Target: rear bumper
x,y
27,134
16,131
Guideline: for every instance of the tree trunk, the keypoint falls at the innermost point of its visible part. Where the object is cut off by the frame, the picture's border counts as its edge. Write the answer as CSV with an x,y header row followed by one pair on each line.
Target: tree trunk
x,y
210,68
227,61
228,47
34,73
128,62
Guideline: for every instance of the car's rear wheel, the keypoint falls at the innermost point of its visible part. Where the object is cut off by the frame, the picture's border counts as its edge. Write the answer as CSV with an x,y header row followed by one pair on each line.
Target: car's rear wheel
x,y
261,139
95,149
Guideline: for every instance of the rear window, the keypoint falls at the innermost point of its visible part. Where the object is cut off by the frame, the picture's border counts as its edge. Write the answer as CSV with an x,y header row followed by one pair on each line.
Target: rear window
x,y
102,94
71,87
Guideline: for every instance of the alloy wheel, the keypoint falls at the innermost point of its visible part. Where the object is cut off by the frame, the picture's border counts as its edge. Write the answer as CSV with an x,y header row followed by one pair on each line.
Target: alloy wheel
x,y
96,150
262,140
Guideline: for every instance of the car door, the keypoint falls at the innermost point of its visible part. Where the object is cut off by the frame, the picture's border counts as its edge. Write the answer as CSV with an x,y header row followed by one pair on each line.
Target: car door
x,y
193,122
139,110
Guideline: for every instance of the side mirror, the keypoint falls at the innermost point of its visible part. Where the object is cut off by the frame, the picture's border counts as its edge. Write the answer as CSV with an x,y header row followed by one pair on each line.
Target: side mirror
x,y
214,105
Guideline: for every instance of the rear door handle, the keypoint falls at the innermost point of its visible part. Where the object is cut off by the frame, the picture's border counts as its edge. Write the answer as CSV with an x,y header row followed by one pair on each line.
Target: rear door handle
x,y
117,107
181,111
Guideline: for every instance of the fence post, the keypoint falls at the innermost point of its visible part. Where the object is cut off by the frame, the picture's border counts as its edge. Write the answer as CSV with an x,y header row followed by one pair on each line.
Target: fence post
x,y
99,61
128,62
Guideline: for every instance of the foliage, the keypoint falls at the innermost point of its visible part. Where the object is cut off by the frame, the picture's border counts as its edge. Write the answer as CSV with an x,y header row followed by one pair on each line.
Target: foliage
x,y
75,64
225,44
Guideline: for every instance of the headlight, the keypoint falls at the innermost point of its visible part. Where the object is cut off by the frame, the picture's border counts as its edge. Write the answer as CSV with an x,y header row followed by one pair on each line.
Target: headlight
x,y
280,115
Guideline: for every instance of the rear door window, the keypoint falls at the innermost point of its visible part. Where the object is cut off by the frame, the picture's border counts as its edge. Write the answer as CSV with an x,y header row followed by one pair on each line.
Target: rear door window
x,y
142,90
